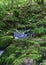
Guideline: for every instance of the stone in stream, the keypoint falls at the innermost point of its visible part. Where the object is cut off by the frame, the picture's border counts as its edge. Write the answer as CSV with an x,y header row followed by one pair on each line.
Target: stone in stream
x,y
23,35
19,35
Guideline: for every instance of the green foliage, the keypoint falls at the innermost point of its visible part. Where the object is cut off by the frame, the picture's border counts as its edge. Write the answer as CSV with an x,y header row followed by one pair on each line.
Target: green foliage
x,y
22,17
39,31
44,62
37,57
2,24
3,12
5,41
10,59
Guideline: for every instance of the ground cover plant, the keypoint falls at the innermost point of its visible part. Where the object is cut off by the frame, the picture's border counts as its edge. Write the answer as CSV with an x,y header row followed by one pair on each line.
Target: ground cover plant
x,y
25,17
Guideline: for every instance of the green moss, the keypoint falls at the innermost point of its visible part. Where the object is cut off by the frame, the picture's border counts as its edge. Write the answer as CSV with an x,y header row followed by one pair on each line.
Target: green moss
x,y
5,41
36,57
43,50
10,59
2,24
32,18
44,37
9,50
39,31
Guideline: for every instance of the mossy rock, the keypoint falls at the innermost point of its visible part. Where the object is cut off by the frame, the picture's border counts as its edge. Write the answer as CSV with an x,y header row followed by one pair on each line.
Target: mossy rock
x,y
1,31
2,24
36,57
9,53
12,49
9,50
43,50
39,31
44,37
9,32
10,59
5,41
23,42
43,43
2,60
31,50
40,41
41,23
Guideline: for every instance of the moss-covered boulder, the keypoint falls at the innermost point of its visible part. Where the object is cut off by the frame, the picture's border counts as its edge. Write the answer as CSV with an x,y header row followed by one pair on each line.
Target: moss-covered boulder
x,y
5,41
2,24
10,59
43,51
39,31
9,50
36,57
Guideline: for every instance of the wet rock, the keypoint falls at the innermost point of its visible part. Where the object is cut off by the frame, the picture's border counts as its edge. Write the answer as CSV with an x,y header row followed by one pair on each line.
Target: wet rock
x,y
1,52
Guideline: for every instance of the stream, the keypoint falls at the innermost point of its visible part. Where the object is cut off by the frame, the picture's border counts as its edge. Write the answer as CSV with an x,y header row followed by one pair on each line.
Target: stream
x,y
23,35
1,52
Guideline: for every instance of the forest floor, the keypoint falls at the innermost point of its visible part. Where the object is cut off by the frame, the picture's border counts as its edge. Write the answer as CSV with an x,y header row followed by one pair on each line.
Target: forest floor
x,y
32,18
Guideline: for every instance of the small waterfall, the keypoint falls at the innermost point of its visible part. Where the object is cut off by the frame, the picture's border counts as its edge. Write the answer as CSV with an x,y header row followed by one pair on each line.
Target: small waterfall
x,y
1,52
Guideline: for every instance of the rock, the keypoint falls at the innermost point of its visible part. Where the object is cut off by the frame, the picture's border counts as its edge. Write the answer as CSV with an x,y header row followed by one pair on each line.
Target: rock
x,y
5,41
19,35
27,61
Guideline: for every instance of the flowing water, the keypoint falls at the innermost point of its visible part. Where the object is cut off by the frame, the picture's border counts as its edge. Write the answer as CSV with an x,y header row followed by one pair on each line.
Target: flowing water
x,y
1,52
